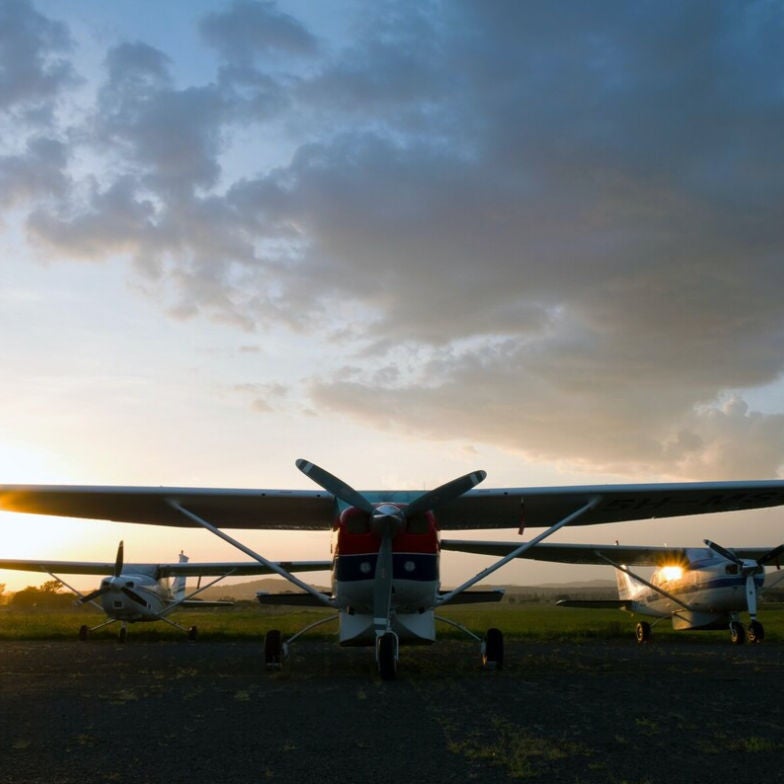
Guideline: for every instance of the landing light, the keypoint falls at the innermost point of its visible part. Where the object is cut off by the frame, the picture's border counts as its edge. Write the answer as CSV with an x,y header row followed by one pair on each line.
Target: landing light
x,y
671,572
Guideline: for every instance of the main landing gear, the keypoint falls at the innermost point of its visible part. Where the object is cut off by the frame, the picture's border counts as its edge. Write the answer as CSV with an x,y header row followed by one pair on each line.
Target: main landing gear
x,y
192,632
643,632
493,650
387,649
754,633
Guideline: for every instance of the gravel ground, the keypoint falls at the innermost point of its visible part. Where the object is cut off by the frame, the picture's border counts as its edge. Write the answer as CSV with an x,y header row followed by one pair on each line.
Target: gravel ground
x,y
558,712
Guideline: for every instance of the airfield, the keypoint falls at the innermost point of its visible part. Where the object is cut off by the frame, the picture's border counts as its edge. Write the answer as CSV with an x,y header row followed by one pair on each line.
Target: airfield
x,y
570,705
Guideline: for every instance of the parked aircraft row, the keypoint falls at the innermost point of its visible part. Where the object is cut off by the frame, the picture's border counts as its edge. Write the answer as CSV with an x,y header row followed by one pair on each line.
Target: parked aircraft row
x,y
386,547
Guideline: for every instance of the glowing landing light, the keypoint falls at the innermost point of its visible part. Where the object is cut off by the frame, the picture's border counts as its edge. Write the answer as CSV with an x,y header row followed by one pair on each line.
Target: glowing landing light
x,y
671,572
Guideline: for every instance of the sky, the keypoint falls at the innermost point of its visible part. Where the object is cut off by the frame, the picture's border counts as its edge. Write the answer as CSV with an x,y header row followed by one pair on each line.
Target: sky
x,y
404,240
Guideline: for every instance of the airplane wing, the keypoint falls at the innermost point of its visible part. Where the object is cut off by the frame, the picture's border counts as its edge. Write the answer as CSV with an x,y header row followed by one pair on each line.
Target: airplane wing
x,y
590,553
316,509
190,569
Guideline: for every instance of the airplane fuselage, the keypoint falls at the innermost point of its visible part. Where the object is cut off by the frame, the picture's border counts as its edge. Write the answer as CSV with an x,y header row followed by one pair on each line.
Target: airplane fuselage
x,y
133,597
415,578
713,588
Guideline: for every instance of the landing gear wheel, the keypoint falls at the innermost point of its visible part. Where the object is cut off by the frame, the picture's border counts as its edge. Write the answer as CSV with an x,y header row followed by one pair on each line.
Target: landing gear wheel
x,y
193,632
755,632
493,650
273,650
83,632
737,635
123,634
643,632
386,652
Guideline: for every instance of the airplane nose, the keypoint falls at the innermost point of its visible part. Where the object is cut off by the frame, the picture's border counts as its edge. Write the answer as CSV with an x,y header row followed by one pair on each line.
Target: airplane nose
x,y
387,519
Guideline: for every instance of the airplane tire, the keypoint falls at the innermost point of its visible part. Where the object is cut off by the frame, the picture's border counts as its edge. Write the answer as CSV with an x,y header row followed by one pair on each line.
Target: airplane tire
x,y
737,634
273,649
493,655
193,632
643,632
387,656
755,632
83,632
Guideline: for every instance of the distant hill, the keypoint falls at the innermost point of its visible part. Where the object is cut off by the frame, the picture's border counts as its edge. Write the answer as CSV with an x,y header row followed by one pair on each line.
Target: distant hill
x,y
592,589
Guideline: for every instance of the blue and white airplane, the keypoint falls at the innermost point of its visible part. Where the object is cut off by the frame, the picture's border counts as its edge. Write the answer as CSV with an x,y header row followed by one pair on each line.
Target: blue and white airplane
x,y
697,588
386,543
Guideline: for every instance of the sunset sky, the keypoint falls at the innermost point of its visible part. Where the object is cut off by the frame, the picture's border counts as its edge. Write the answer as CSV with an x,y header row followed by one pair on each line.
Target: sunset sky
x,y
404,240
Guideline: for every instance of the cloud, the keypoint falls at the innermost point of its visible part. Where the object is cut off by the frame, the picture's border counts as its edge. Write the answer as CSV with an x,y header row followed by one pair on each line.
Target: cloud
x,y
33,69
249,30
556,233
38,173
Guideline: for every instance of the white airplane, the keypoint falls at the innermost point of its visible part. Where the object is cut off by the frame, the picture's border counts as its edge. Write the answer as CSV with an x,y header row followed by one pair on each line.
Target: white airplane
x,y
142,592
698,588
385,546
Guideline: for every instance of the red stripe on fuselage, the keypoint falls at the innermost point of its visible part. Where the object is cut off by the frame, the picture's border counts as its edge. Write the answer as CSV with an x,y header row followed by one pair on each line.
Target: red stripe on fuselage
x,y
349,538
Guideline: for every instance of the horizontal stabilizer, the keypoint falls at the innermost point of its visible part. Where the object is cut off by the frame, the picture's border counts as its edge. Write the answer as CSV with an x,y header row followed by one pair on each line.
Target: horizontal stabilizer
x,y
476,597
290,599
596,604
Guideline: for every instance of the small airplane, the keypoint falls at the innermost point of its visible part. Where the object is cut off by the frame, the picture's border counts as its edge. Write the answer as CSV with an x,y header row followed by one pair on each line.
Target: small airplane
x,y
385,543
698,588
142,592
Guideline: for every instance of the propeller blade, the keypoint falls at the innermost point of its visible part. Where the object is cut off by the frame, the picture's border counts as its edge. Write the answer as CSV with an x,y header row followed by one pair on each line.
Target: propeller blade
x,y
118,563
771,555
333,485
445,493
382,584
94,595
133,596
724,552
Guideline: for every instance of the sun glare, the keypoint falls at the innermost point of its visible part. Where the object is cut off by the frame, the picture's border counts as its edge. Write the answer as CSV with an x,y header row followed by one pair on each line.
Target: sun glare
x,y
673,572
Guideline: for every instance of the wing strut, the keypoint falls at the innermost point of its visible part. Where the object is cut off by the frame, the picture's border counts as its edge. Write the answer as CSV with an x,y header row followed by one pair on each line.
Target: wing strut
x,y
570,518
273,567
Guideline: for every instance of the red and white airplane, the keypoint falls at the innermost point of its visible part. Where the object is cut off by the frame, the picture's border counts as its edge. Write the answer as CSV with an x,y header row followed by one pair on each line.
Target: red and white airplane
x,y
385,568
697,588
144,592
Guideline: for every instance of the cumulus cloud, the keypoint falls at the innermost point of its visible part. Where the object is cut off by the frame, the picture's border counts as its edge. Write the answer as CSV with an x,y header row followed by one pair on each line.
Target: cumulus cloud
x,y
559,233
33,66
248,30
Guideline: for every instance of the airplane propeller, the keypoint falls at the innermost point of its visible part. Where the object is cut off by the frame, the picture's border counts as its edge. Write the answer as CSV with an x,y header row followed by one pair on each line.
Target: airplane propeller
x,y
114,583
748,568
387,520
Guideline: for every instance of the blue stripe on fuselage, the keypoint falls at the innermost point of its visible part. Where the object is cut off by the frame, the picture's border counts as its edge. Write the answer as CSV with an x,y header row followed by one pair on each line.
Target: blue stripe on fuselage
x,y
733,581
405,566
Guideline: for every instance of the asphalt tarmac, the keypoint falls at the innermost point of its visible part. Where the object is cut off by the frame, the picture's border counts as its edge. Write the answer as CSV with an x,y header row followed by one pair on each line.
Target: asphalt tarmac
x,y
603,712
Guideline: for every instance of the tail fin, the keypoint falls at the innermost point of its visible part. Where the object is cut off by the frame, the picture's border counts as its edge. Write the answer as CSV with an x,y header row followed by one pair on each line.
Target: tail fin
x,y
179,581
628,587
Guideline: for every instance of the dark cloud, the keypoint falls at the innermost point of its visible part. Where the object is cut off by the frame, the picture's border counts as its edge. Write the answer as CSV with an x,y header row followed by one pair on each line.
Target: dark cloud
x,y
249,30
38,173
558,232
171,135
33,67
